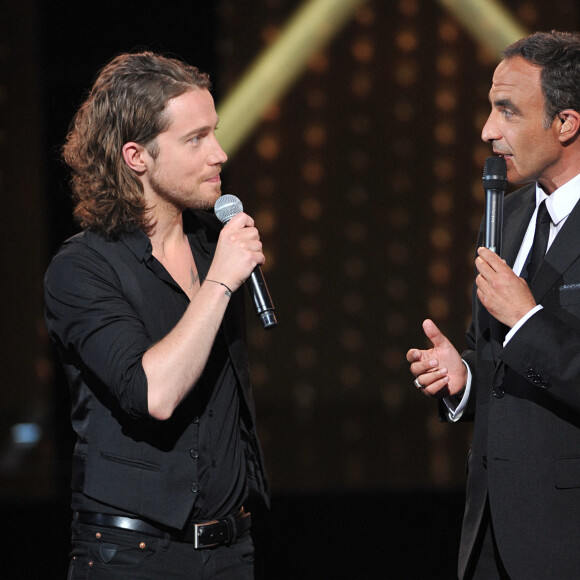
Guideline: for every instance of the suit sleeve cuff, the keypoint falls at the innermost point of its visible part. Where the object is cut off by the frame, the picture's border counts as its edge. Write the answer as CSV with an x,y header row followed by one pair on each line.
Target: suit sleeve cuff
x,y
455,407
521,322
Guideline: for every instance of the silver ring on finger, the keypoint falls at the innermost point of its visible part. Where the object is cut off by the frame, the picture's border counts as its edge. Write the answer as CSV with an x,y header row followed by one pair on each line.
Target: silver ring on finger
x,y
418,384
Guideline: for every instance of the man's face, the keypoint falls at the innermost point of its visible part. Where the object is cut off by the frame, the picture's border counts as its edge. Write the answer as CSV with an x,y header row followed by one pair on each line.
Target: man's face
x,y
515,126
186,172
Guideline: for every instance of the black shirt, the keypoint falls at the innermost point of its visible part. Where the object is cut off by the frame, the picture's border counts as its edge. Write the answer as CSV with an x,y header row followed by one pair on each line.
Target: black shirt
x,y
107,302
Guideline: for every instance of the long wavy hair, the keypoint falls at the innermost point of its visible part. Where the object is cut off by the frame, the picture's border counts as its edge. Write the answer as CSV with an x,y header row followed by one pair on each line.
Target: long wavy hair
x,y
558,55
126,103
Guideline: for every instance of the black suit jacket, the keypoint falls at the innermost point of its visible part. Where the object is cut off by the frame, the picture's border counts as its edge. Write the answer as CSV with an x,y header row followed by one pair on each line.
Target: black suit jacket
x,y
525,455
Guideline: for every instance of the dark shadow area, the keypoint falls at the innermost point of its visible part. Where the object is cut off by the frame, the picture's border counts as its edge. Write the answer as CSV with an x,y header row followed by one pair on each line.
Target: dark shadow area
x,y
331,536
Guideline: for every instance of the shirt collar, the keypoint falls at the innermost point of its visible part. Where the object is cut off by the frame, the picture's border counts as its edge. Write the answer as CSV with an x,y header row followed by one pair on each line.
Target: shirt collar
x,y
140,244
562,201
192,224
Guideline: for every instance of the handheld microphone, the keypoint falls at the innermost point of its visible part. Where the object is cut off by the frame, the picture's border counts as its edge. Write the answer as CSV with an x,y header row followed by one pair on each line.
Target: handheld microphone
x,y
494,183
225,208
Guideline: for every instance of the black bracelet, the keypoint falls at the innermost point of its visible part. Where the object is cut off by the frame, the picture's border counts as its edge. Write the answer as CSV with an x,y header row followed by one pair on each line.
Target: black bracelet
x,y
228,291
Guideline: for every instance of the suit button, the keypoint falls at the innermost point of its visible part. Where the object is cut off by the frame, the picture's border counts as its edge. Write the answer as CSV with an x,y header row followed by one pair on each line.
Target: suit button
x,y
498,392
194,488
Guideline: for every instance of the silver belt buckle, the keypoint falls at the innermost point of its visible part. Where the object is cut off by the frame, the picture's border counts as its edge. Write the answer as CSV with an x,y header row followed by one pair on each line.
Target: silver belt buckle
x,y
197,533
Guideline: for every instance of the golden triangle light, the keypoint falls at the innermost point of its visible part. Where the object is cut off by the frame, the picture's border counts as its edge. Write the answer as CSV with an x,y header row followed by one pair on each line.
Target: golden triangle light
x,y
312,26
488,22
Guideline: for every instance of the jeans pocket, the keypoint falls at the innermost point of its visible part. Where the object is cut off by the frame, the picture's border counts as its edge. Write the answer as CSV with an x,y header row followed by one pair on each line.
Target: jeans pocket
x,y
97,548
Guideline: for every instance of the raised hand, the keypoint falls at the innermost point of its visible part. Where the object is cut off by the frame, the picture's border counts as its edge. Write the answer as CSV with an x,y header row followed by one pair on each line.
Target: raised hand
x,y
506,296
438,371
238,252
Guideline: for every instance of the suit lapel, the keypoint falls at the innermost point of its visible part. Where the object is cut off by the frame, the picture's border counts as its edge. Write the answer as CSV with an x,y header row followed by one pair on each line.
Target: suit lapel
x,y
562,253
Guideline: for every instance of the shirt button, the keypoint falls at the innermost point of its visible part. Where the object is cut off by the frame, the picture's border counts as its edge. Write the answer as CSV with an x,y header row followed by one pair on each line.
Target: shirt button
x,y
194,488
193,453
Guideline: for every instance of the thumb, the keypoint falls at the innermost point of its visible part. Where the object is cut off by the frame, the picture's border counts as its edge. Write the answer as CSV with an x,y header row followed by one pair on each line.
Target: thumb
x,y
240,221
433,333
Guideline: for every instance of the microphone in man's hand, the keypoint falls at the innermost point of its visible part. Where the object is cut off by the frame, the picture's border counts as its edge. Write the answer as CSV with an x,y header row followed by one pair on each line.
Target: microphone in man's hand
x,y
225,208
494,183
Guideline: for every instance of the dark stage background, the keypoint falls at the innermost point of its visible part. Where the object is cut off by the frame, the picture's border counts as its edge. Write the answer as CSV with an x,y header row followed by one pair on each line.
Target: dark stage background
x,y
365,182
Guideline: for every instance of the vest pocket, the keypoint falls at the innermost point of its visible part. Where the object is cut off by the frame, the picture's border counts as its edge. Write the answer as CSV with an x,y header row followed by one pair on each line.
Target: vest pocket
x,y
567,472
138,463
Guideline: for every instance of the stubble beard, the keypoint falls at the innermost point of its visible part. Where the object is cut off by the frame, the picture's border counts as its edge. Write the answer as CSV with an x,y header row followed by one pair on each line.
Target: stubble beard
x,y
182,199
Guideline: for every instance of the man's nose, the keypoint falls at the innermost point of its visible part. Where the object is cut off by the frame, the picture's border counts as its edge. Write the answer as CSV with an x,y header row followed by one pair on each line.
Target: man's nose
x,y
489,132
218,155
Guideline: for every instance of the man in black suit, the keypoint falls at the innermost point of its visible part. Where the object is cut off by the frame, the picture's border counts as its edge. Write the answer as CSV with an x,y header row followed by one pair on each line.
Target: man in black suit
x,y
144,308
520,375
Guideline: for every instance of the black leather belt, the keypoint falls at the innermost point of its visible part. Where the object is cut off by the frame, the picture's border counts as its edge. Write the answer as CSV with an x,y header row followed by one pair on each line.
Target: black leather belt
x,y
203,535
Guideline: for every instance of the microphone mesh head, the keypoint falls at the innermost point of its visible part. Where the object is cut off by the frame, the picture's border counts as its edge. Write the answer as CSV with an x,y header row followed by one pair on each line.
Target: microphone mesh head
x,y
494,173
226,207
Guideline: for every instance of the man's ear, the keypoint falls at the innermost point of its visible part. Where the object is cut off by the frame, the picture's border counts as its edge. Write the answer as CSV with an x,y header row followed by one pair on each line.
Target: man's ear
x,y
134,156
570,126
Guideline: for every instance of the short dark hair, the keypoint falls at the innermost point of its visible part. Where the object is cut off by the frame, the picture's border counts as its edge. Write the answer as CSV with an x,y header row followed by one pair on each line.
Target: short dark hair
x,y
126,103
558,55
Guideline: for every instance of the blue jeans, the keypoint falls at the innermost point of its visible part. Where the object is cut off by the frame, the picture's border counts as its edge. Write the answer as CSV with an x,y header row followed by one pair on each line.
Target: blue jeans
x,y
114,554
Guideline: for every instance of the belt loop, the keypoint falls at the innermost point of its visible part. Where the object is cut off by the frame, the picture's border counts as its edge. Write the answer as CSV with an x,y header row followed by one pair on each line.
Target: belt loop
x,y
165,542
232,530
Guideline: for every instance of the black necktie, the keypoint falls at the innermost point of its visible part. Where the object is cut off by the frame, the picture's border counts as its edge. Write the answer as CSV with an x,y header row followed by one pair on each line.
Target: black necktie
x,y
540,243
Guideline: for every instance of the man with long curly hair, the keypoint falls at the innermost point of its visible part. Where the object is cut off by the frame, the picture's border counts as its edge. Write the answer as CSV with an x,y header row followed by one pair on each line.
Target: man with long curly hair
x,y
144,310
